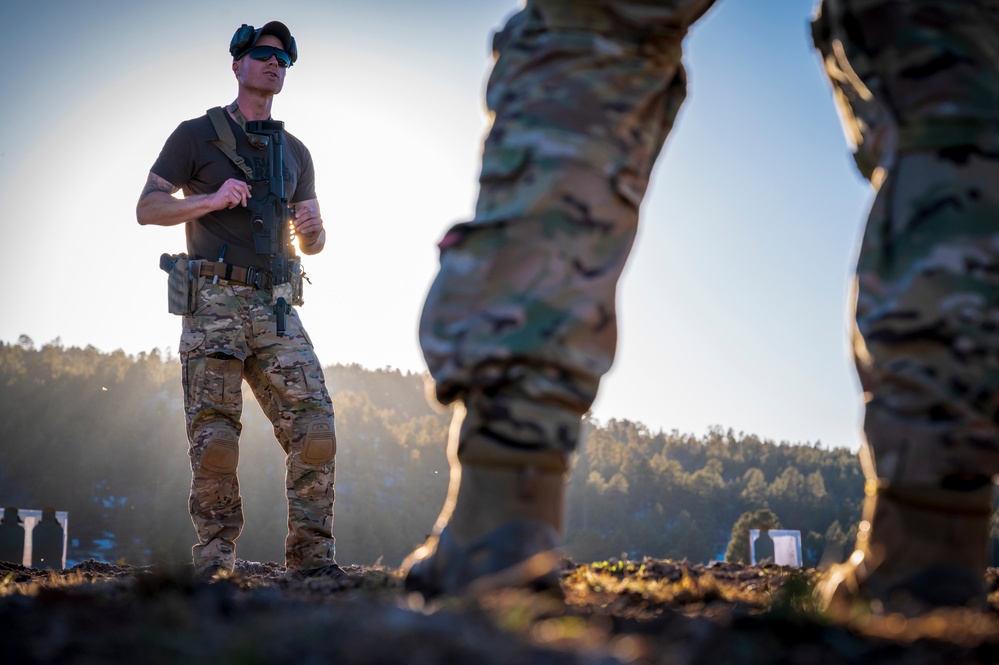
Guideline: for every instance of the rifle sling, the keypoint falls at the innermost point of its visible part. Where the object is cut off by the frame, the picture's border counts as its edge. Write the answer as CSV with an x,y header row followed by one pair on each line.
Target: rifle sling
x,y
226,141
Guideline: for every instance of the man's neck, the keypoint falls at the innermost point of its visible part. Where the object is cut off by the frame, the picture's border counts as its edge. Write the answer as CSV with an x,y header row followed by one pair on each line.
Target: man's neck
x,y
254,107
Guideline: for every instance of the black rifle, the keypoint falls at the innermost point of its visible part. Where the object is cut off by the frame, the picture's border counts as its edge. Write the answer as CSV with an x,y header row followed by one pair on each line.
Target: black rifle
x,y
270,218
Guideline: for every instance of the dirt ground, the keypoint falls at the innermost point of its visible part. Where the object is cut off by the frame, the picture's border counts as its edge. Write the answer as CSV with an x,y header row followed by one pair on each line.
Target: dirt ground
x,y
651,611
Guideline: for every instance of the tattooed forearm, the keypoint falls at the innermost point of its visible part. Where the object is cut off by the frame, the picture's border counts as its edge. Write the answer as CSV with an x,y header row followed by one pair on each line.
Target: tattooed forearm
x,y
156,184
162,210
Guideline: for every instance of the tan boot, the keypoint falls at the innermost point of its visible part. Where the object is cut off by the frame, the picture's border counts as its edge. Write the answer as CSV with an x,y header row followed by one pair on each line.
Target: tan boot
x,y
214,560
918,548
501,523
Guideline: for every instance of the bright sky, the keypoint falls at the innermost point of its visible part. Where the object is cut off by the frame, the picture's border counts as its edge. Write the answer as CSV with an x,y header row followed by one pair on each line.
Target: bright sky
x,y
734,306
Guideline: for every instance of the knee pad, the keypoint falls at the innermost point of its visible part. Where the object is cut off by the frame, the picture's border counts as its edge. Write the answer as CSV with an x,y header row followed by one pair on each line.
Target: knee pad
x,y
319,446
221,453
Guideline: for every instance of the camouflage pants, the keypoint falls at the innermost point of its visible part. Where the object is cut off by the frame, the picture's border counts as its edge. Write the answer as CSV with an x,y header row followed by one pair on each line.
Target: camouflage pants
x,y
231,337
520,321
918,84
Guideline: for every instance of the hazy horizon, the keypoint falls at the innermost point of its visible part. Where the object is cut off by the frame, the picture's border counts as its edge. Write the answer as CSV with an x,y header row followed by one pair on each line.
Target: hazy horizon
x,y
168,355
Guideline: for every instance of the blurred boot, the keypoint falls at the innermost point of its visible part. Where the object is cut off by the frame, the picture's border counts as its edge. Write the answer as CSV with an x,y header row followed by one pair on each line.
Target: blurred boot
x,y
918,548
501,523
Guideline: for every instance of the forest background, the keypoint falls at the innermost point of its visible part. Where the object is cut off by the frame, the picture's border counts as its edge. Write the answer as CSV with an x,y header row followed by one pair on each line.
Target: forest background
x,y
101,435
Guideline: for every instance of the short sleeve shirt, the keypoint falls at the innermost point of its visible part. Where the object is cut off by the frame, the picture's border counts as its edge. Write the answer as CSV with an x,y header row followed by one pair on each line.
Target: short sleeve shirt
x,y
189,160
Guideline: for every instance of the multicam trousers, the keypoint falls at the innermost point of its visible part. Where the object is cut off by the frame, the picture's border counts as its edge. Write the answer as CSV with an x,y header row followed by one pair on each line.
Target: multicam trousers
x,y
918,85
520,322
231,337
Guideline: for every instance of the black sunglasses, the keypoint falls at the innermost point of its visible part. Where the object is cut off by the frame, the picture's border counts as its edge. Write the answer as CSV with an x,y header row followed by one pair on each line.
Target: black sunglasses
x,y
264,54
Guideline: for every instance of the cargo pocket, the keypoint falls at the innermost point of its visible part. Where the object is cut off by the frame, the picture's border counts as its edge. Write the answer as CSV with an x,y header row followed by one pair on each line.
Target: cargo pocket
x,y
191,340
299,383
192,365
223,383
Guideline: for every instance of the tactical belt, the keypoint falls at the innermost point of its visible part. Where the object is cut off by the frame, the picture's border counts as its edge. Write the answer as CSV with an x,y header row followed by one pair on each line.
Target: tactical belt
x,y
231,273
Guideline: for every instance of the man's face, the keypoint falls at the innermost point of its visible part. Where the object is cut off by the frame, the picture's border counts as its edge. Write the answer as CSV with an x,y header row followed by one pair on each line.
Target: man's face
x,y
262,76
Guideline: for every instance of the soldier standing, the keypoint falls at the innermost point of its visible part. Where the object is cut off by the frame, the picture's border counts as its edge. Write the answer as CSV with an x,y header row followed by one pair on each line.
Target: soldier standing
x,y
519,325
231,332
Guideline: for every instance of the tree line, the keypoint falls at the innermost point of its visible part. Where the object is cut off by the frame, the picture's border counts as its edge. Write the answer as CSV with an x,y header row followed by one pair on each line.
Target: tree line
x,y
102,436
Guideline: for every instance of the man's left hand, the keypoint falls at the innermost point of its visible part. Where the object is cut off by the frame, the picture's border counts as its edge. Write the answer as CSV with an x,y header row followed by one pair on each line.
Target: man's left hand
x,y
309,226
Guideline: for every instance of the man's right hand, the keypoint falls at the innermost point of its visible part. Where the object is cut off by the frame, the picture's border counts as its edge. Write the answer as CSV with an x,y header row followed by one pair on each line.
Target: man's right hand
x,y
157,205
231,194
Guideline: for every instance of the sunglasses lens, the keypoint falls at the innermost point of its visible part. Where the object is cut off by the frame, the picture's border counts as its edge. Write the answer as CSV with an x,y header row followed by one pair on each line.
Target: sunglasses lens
x,y
264,53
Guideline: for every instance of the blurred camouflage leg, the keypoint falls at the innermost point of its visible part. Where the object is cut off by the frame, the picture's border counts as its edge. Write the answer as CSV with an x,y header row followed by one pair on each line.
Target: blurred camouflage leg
x,y
918,547
926,330
520,324
919,87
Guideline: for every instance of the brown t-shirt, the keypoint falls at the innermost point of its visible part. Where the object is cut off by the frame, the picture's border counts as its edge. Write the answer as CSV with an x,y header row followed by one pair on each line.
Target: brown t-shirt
x,y
190,161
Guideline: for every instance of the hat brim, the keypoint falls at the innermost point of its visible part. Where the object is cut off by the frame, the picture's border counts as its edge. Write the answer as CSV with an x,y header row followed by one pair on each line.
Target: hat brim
x,y
276,29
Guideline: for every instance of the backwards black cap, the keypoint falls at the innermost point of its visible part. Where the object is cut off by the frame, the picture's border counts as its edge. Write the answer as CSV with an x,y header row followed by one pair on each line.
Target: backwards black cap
x,y
246,37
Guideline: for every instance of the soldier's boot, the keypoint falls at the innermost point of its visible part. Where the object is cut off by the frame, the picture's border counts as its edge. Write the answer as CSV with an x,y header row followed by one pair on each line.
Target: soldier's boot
x,y
501,523
918,548
215,559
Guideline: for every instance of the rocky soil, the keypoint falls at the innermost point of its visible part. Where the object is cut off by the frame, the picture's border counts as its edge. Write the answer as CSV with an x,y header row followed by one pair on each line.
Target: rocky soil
x,y
651,611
